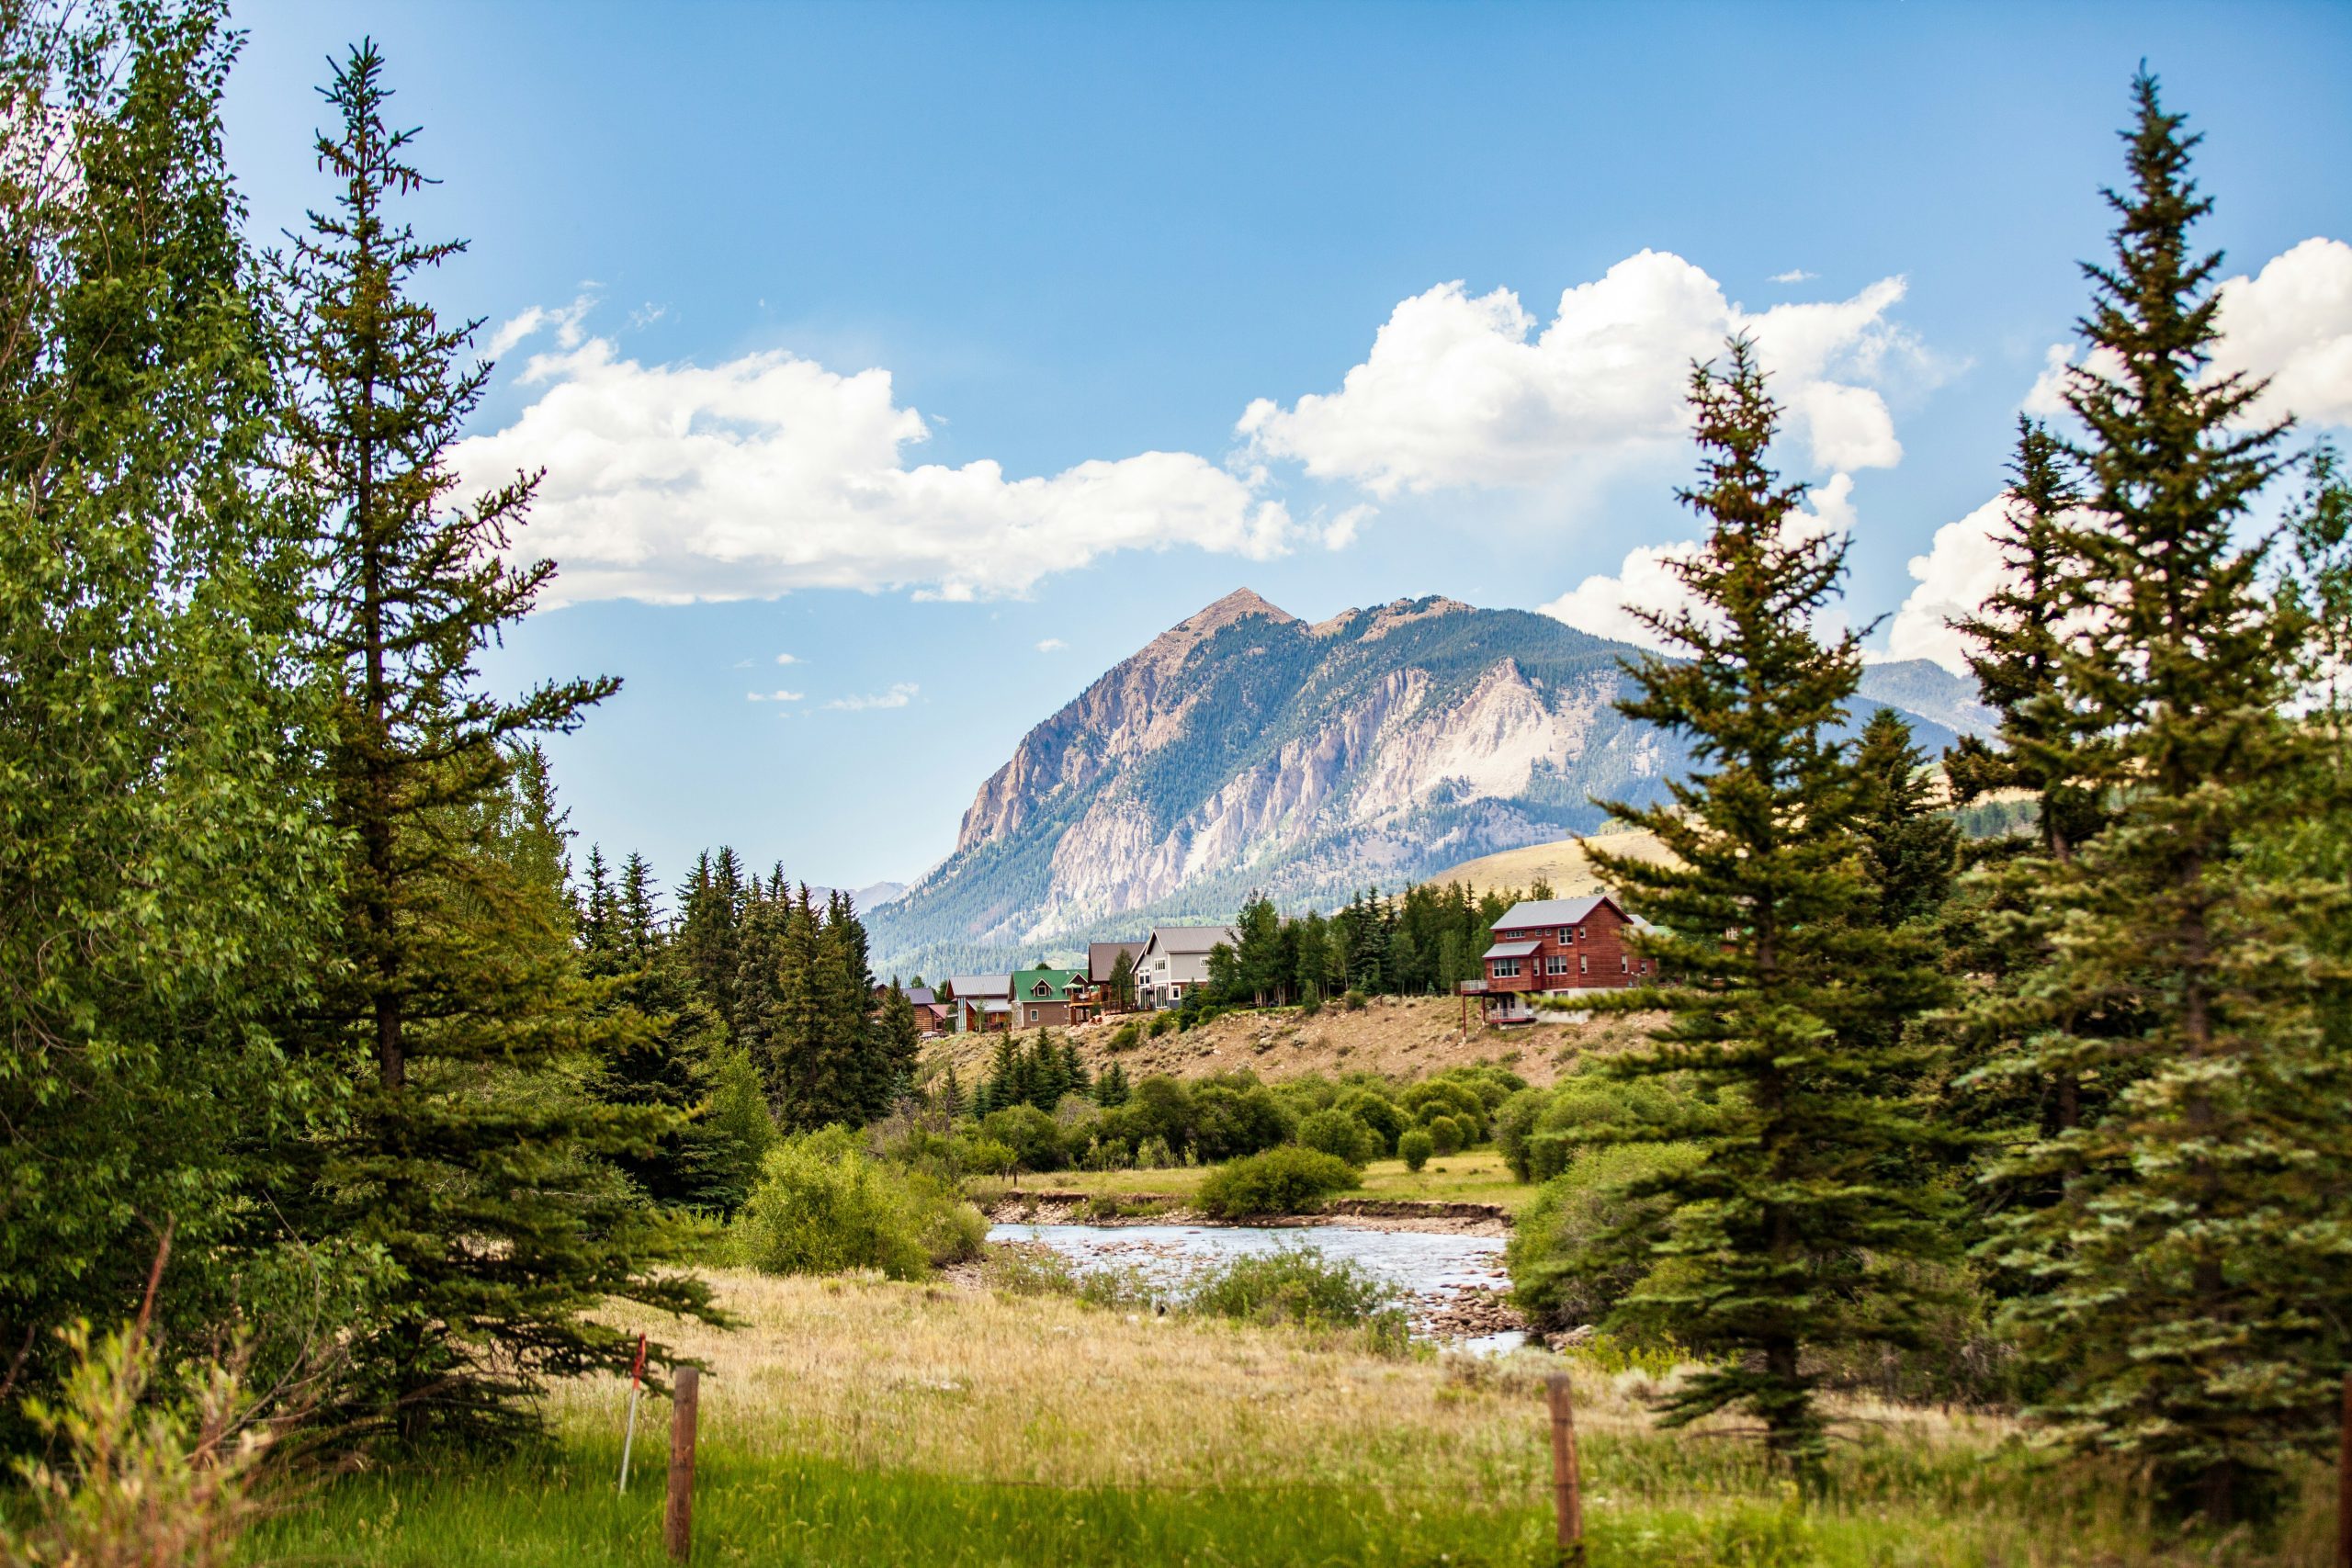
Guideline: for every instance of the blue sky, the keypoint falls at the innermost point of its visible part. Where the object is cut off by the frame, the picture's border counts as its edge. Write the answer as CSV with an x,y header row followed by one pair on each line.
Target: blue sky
x,y
774,286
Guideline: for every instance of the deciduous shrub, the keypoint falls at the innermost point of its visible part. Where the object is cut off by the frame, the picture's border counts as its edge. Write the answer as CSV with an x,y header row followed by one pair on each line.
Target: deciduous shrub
x,y
1445,1135
1235,1118
1284,1180
1583,1245
1415,1148
1337,1133
1297,1284
1514,1122
822,1205
1432,1098
1153,1154
1378,1112
1127,1036
1033,1136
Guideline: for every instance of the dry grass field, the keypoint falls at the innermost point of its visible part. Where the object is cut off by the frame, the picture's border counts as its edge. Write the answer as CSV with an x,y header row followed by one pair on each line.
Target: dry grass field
x,y
853,1420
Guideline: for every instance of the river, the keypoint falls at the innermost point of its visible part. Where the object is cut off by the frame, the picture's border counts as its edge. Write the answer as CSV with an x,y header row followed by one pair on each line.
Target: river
x,y
1435,1269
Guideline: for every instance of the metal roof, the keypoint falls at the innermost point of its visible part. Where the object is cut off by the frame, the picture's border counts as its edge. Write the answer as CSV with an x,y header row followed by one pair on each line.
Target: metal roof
x,y
1512,950
1192,939
967,986
1552,912
1102,957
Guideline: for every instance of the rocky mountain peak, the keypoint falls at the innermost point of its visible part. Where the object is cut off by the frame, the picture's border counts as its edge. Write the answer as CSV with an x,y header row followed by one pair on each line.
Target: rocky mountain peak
x,y
1307,762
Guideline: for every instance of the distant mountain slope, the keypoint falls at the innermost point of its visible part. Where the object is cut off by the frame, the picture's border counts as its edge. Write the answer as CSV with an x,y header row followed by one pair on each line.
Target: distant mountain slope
x,y
1245,749
1925,689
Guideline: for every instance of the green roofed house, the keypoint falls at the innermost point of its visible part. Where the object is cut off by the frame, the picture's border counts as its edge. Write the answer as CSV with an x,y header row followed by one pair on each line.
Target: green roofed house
x,y
1049,996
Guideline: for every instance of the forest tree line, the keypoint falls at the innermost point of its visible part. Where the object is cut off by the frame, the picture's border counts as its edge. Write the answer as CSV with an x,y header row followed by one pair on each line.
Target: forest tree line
x,y
309,1009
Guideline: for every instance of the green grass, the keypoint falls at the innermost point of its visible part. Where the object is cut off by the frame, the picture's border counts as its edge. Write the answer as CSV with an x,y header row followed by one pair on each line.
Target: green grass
x,y
559,1507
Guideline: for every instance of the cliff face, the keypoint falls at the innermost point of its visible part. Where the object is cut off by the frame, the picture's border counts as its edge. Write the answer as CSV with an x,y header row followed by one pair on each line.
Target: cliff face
x,y
1245,749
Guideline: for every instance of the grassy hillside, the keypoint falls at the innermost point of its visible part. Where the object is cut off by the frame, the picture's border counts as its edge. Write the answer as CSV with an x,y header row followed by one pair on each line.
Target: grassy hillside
x,y
1561,862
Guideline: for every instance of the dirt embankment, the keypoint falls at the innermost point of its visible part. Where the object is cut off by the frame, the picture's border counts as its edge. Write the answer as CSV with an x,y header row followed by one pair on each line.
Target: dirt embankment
x,y
1401,1037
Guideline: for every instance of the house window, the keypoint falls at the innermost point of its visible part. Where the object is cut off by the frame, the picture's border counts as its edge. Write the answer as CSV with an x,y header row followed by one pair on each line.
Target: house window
x,y
1584,964
1505,968
1033,1015
1624,965
1579,933
1555,963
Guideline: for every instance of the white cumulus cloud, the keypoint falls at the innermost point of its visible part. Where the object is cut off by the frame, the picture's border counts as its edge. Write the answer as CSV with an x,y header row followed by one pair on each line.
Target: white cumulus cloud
x,y
2289,324
768,473
1051,644
1794,274
898,697
1463,389
1959,572
1604,604
788,659
2292,324
778,696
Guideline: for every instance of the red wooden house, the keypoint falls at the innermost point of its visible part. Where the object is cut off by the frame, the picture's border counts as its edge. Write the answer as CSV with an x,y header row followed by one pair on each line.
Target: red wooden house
x,y
1556,947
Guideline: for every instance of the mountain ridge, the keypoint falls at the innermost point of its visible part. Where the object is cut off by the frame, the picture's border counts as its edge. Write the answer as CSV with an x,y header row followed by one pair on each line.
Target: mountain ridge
x,y
1244,749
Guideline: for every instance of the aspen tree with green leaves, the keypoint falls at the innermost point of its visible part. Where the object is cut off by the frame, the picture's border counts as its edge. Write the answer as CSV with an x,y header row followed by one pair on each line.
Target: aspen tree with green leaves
x,y
166,868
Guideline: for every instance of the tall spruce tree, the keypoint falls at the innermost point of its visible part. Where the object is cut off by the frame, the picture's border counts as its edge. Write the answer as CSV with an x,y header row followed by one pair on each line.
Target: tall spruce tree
x,y
2176,1308
1775,974
2017,639
459,987
1910,849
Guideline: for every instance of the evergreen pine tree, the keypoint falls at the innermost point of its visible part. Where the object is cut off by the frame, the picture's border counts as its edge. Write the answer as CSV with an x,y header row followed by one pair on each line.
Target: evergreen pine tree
x,y
2176,1308
949,1098
1776,980
898,1042
2016,638
465,1164
1111,1088
1910,849
1121,984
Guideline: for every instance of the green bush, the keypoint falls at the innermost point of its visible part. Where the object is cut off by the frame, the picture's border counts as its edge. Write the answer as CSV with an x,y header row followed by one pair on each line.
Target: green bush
x,y
1583,1245
1514,1124
1337,1133
822,1205
1297,1284
1029,1132
1588,1106
1161,1022
1284,1180
1432,1098
1353,1001
1127,1036
1153,1154
1445,1135
1376,1111
983,1155
1415,1148
1236,1117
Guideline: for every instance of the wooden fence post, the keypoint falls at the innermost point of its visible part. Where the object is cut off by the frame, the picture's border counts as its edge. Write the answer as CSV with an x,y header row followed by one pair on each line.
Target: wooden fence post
x,y
678,1522
1568,1490
2344,1480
